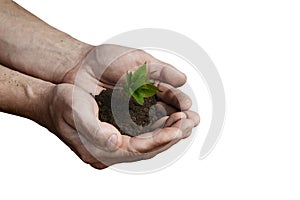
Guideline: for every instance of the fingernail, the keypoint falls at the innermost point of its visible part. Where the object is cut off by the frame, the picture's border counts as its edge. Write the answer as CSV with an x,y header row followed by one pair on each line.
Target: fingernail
x,y
112,142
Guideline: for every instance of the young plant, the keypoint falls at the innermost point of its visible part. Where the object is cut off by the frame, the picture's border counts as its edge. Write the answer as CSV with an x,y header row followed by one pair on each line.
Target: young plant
x,y
138,85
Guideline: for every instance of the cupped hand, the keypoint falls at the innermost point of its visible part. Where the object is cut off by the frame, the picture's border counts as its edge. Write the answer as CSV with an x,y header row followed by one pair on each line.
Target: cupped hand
x,y
103,67
73,115
106,65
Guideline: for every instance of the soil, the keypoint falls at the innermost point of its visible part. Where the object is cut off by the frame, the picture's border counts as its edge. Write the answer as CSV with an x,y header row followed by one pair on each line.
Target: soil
x,y
141,116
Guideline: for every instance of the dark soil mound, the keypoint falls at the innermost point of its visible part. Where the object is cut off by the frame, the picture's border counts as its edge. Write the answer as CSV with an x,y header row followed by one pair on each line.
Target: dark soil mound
x,y
114,111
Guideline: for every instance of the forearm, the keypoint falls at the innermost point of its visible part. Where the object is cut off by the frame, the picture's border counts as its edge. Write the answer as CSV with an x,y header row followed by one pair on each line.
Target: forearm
x,y
29,45
23,95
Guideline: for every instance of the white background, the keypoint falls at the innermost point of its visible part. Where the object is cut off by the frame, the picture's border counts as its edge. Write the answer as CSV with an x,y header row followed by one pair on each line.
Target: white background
x,y
255,46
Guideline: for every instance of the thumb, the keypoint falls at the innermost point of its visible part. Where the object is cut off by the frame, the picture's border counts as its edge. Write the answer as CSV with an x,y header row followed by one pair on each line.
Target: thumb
x,y
101,134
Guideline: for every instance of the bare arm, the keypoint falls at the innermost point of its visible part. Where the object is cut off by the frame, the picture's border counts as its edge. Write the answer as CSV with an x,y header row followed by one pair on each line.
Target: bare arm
x,y
23,95
29,45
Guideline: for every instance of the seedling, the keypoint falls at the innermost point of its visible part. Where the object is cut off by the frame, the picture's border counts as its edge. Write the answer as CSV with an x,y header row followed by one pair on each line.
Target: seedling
x,y
138,84
142,104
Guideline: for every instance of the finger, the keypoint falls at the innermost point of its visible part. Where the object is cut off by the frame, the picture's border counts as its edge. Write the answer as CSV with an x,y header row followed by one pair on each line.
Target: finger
x,y
186,126
174,96
164,71
153,140
114,55
102,135
144,146
105,158
133,149
149,141
183,124
166,108
160,150
85,112
159,123
193,116
174,118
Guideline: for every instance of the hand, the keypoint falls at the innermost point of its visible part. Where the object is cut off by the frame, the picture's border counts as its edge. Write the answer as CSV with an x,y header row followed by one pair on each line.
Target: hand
x,y
106,65
72,116
54,54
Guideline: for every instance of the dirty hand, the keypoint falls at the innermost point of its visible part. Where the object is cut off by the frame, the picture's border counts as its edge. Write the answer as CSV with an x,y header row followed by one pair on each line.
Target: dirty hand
x,y
73,118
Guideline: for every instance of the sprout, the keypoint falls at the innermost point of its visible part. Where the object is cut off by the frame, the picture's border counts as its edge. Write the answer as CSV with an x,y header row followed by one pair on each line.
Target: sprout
x,y
138,84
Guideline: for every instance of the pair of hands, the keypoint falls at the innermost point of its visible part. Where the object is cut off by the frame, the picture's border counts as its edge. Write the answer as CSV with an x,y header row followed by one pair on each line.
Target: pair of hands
x,y
73,112
42,55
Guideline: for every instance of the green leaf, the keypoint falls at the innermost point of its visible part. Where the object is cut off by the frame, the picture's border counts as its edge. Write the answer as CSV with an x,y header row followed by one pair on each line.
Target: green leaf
x,y
126,90
140,73
145,93
138,84
131,91
151,87
128,78
138,98
147,90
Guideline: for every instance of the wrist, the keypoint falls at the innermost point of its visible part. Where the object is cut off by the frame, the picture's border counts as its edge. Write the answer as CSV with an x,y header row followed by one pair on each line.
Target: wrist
x,y
74,55
71,54
39,101
24,95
